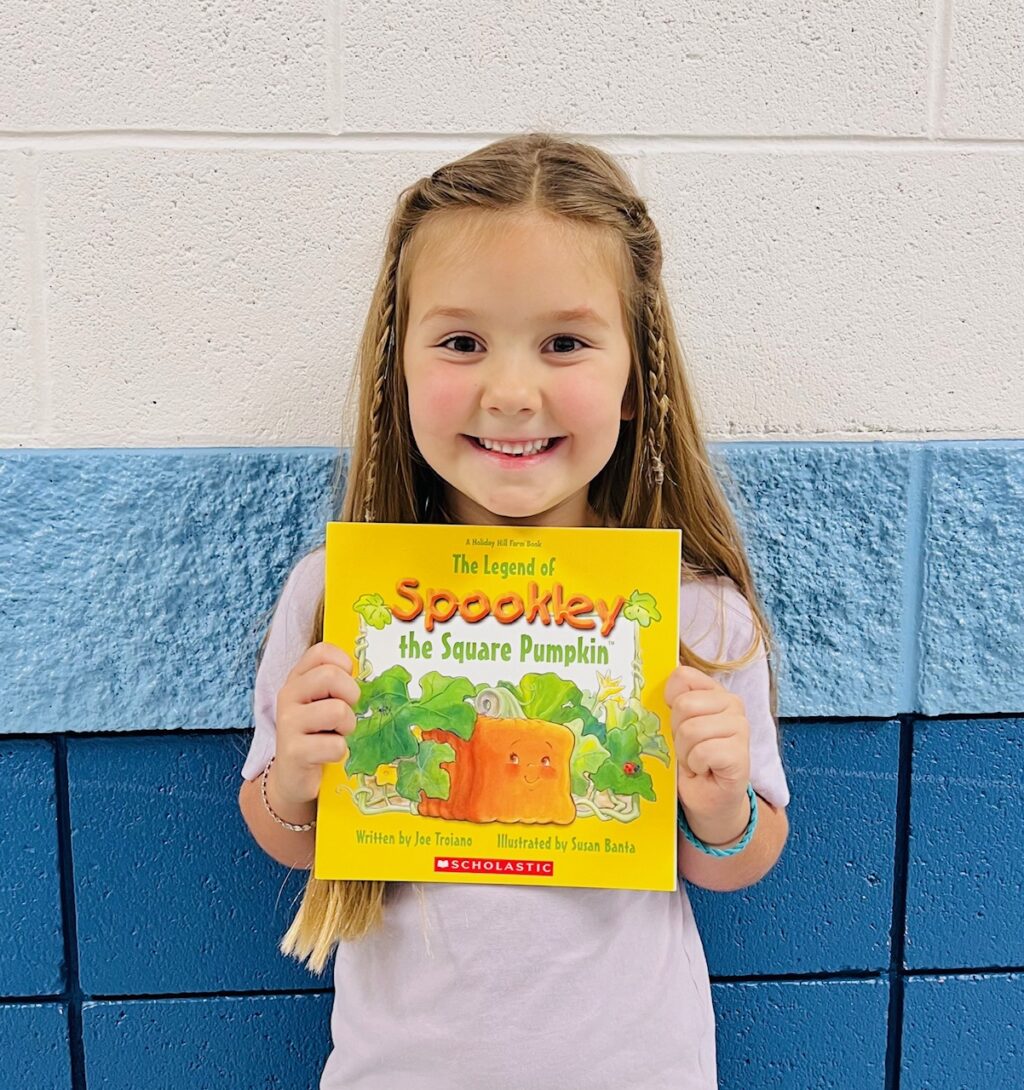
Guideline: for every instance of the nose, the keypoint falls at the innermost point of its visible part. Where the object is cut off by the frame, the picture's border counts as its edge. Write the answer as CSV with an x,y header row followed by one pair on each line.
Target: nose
x,y
510,387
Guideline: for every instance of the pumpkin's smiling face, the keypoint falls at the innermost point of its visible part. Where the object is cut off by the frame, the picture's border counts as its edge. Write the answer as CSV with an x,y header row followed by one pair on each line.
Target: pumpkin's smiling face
x,y
522,770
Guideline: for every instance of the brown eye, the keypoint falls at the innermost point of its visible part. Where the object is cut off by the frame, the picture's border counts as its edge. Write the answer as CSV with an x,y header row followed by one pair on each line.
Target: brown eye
x,y
514,758
545,762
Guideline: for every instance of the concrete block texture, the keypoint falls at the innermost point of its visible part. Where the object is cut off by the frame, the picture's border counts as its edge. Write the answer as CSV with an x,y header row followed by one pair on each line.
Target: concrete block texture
x,y
34,1046
188,66
984,94
198,297
32,941
137,586
826,906
847,295
972,609
826,529
232,1043
173,894
965,879
962,1032
825,1034
20,379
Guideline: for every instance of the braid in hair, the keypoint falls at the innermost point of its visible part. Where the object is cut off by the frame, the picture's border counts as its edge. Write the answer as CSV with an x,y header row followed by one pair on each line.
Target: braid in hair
x,y
659,405
385,350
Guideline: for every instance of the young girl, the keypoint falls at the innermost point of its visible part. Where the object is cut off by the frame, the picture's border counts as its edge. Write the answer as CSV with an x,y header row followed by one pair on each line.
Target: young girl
x,y
519,366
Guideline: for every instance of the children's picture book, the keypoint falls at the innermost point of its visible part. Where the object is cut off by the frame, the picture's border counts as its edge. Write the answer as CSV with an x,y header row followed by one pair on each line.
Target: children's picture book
x,y
511,726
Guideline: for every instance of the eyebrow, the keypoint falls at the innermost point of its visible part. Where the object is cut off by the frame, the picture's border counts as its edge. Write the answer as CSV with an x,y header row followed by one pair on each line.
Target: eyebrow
x,y
573,314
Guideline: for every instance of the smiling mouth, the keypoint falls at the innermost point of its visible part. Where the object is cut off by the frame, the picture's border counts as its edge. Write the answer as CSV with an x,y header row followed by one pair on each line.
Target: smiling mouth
x,y
528,780
524,450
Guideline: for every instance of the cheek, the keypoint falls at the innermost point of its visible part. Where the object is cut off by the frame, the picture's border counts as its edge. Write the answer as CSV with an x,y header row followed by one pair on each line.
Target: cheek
x,y
436,399
548,773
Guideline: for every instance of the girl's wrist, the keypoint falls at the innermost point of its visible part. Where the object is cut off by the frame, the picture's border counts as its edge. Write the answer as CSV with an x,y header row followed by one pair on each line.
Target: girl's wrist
x,y
282,809
714,832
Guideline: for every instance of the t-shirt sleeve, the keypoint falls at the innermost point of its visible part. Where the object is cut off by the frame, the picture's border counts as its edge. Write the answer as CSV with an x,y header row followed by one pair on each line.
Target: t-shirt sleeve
x,y
751,682
287,641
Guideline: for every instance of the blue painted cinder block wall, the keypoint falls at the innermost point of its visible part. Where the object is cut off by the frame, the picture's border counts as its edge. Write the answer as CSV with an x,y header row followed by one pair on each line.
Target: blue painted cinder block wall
x,y
140,922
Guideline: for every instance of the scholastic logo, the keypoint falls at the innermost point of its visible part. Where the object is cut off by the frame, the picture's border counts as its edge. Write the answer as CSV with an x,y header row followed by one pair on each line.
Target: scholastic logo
x,y
454,864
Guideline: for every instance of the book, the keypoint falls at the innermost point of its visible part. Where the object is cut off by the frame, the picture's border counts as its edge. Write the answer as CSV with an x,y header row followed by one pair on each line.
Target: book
x,y
511,726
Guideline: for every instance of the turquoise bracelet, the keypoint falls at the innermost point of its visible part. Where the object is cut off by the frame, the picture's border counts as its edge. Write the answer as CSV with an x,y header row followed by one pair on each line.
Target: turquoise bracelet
x,y
707,849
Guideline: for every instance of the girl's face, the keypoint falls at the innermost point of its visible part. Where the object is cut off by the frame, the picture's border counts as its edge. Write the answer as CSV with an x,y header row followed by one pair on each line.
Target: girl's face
x,y
510,372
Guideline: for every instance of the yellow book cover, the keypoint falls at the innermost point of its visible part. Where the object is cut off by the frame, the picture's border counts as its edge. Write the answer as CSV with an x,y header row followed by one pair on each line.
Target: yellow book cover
x,y
511,726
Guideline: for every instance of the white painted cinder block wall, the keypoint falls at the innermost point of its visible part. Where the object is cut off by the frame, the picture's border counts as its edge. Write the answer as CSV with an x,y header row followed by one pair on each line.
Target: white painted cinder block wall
x,y
193,197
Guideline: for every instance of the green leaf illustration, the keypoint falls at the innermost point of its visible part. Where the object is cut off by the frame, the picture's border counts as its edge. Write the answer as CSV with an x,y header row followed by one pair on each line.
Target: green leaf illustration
x,y
623,771
648,729
379,739
424,772
442,705
372,609
547,696
642,608
588,756
387,691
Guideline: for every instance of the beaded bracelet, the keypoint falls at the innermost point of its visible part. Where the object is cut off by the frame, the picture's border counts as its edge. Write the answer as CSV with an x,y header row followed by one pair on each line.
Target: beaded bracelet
x,y
709,849
270,810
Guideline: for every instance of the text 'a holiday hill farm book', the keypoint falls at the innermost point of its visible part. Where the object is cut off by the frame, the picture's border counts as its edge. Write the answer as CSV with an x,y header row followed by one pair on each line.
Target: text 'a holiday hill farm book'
x,y
511,726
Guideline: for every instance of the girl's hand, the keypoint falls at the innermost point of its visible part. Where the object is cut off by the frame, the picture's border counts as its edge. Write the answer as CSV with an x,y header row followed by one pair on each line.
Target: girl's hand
x,y
314,713
712,740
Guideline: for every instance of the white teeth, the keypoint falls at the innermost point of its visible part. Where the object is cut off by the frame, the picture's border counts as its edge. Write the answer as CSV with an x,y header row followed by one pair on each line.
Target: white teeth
x,y
532,447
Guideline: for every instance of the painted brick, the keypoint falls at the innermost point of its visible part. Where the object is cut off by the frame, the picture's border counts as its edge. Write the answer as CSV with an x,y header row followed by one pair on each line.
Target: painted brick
x,y
826,1034
984,93
173,893
203,68
972,642
826,528
32,943
963,1033
34,1046
193,1044
209,297
965,883
826,905
705,68
141,583
19,378
815,296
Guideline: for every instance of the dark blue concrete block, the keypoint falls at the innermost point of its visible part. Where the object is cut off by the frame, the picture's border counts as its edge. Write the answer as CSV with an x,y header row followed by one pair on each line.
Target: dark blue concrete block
x,y
963,1033
826,529
137,584
34,1046
825,1034
32,942
238,1043
972,641
965,884
827,904
173,893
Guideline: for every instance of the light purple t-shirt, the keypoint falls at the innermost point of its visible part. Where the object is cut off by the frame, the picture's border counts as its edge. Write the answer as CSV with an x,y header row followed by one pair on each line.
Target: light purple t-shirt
x,y
478,987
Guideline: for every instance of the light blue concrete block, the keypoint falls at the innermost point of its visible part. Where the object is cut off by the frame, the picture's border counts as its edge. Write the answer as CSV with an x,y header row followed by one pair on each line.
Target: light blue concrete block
x,y
826,906
137,583
236,1043
34,1046
826,527
825,1034
965,882
972,644
32,941
173,893
963,1033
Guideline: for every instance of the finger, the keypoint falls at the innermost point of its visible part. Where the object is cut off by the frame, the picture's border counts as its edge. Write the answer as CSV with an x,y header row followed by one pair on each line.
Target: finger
x,y
321,653
718,755
327,715
694,704
323,682
684,679
321,749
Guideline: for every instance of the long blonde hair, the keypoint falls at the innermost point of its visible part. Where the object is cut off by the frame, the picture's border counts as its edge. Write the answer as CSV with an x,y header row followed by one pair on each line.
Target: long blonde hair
x,y
660,474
